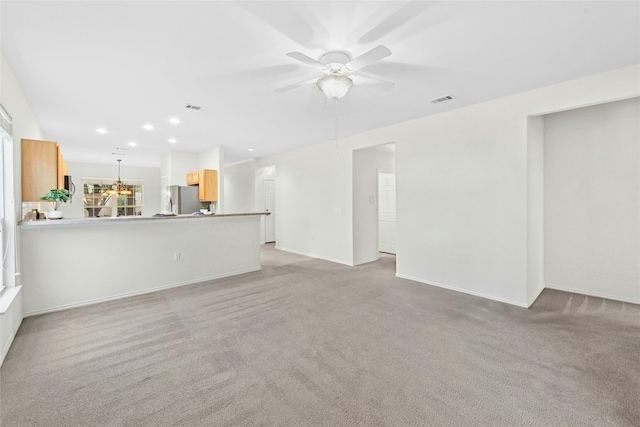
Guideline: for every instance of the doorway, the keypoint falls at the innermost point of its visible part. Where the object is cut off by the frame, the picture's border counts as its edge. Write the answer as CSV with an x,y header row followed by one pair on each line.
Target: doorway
x,y
367,164
387,212
270,206
266,201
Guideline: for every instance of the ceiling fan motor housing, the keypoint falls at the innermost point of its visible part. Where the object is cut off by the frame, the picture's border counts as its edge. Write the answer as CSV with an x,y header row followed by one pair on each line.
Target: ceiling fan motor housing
x,y
335,61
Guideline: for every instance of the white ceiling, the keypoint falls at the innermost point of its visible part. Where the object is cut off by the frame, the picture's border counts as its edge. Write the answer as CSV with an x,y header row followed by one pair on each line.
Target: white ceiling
x,y
121,64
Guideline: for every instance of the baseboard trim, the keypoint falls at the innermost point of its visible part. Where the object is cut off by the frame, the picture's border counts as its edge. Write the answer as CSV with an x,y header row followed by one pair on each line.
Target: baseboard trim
x,y
591,294
134,293
530,303
464,291
366,261
337,261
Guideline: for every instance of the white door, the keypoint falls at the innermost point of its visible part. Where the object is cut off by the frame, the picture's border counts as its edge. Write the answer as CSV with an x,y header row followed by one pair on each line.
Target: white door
x,y
2,236
270,206
387,212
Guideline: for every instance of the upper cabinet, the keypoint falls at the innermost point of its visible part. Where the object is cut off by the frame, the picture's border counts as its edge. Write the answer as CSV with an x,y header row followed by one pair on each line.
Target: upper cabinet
x,y
193,178
43,168
207,182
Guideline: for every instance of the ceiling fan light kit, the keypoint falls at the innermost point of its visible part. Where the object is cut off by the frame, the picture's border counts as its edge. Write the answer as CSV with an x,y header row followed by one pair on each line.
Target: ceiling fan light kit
x,y
334,86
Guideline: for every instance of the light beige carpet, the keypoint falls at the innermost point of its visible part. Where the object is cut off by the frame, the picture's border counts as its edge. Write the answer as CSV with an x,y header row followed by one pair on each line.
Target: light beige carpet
x,y
306,342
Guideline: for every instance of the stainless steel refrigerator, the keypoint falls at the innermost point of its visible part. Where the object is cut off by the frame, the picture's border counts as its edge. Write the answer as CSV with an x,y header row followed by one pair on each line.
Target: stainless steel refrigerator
x,y
184,200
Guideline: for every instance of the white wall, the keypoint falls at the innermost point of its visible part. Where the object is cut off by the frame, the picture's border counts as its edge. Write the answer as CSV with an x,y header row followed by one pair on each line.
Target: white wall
x,y
239,187
366,163
175,165
592,200
462,196
313,201
461,200
535,207
25,125
77,170
466,226
112,258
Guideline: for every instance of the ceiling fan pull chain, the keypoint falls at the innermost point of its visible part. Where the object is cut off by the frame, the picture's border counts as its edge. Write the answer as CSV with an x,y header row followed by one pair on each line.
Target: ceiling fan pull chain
x,y
335,127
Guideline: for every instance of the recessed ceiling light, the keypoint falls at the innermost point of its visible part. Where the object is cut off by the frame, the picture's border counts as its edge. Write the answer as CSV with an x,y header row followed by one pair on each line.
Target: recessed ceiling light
x,y
132,144
251,149
147,127
172,140
101,130
174,120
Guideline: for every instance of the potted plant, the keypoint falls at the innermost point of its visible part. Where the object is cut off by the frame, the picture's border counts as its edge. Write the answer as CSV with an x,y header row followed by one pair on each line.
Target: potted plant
x,y
56,197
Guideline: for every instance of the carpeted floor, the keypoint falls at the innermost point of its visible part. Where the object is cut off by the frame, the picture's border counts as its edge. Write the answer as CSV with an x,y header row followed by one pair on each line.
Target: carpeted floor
x,y
306,342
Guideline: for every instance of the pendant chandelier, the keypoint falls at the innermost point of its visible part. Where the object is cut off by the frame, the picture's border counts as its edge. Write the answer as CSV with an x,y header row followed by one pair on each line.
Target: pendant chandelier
x,y
119,188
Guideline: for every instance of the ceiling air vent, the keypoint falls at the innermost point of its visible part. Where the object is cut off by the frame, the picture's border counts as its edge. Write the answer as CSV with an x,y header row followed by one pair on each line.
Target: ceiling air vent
x,y
193,107
442,99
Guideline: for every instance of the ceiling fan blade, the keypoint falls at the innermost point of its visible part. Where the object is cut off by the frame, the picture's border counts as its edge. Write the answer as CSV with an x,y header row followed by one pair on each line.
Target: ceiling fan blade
x,y
306,60
376,82
381,85
295,85
374,55
370,76
393,21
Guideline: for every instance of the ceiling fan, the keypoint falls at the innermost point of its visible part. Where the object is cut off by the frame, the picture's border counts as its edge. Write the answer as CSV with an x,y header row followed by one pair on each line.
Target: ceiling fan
x,y
338,67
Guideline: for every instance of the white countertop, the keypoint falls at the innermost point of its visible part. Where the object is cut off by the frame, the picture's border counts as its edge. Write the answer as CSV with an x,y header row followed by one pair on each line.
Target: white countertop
x,y
124,219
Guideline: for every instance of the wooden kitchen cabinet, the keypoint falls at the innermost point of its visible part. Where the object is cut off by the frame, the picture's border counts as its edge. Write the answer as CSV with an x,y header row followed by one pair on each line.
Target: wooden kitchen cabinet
x,y
43,168
62,169
207,182
193,178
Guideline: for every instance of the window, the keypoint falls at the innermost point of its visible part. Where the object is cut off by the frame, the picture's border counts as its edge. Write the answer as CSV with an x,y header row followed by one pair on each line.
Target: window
x,y
99,203
7,214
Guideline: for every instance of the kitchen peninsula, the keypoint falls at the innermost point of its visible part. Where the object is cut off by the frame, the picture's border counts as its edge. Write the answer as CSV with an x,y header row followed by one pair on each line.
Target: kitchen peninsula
x,y
73,262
